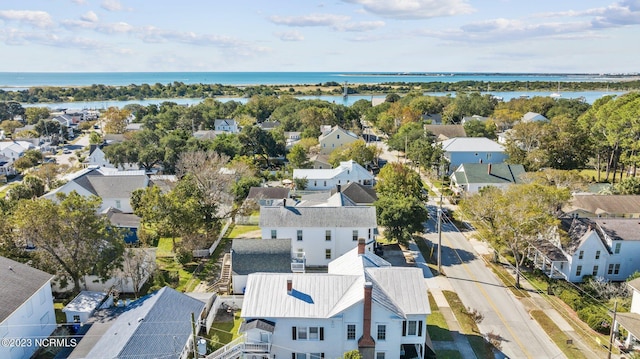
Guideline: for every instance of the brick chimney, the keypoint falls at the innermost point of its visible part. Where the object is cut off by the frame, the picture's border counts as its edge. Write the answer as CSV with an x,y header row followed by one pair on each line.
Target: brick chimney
x,y
289,285
489,169
361,245
366,344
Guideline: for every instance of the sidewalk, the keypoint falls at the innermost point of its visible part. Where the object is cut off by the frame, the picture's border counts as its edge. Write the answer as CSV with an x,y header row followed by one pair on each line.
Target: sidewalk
x,y
436,285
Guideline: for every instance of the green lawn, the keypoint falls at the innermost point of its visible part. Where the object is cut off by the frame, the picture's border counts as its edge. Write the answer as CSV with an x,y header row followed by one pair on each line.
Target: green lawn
x,y
165,247
225,331
240,229
436,324
557,335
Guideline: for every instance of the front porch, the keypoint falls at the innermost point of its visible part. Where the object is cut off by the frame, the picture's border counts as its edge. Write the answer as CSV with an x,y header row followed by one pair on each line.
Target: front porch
x,y
550,259
631,323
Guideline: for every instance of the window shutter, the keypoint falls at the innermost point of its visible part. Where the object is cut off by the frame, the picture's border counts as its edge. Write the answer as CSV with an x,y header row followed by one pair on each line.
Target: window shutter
x,y
420,328
321,333
322,355
404,328
294,333
293,355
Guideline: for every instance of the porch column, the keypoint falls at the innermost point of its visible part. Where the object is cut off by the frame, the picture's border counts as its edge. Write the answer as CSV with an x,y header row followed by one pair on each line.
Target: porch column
x,y
627,342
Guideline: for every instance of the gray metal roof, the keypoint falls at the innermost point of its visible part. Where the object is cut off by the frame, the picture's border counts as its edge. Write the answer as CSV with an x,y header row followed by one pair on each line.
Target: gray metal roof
x,y
352,263
86,302
157,325
18,282
261,255
302,217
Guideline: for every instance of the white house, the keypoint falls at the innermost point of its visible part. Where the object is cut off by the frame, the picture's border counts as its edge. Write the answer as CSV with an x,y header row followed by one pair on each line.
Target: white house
x,y
26,307
629,321
599,247
334,138
326,179
459,150
226,125
533,117
469,178
319,234
362,304
112,186
14,149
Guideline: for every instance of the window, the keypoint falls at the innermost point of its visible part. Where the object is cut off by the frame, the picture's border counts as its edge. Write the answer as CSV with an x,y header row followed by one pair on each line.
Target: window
x,y
578,270
581,255
595,271
274,233
327,254
382,332
351,332
380,355
299,233
617,250
355,235
614,269
307,333
370,233
44,320
117,203
338,137
327,235
325,183
597,254
316,355
412,327
76,318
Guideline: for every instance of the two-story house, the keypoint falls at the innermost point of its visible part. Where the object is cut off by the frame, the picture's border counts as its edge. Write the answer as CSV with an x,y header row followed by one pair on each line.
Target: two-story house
x,y
226,125
459,150
630,321
26,308
469,178
362,303
327,179
335,138
599,247
319,234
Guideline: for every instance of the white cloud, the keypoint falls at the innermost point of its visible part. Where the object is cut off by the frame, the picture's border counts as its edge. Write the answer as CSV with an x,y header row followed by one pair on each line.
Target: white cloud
x,y
79,2
309,20
118,27
290,36
359,26
40,19
90,16
414,9
111,5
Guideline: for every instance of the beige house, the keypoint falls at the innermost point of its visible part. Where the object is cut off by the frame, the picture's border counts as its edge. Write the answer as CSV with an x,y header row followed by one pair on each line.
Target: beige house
x,y
335,138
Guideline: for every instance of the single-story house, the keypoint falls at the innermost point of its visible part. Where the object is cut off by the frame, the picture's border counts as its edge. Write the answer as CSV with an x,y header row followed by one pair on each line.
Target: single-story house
x,y
469,178
594,205
81,308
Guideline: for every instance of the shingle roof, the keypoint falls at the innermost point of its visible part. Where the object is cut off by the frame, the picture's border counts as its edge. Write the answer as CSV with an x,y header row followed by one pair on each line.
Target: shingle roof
x,y
157,325
635,284
261,255
261,324
358,193
446,131
268,193
301,217
479,173
609,204
111,185
470,144
18,282
85,301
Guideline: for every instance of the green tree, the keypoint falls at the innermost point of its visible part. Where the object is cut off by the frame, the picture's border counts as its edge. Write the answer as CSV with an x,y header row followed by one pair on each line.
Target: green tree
x,y
629,185
72,239
406,135
95,138
298,157
512,218
400,216
35,114
477,128
257,142
115,120
357,151
240,188
397,179
9,126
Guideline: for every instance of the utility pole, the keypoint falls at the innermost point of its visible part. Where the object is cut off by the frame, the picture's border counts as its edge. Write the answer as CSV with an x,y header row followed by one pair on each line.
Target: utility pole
x,y
440,231
193,328
613,323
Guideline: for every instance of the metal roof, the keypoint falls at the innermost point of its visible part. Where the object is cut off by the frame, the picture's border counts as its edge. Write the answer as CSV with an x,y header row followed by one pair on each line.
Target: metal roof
x,y
18,282
302,217
470,144
85,302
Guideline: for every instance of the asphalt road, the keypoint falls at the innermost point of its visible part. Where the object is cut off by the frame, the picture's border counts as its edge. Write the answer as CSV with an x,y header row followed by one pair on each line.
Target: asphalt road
x,y
479,289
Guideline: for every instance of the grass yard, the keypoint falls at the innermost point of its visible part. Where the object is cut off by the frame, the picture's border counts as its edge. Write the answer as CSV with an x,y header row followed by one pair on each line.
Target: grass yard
x,y
240,229
557,335
226,331
507,279
165,247
480,347
429,254
436,324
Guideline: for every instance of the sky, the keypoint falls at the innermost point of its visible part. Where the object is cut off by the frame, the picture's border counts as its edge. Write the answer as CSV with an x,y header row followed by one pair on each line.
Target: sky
x,y
551,36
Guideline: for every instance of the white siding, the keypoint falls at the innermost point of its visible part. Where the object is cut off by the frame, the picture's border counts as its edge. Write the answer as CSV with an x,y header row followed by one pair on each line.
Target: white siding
x,y
35,319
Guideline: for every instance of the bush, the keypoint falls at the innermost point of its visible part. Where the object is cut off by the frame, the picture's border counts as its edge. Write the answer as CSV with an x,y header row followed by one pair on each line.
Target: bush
x,y
596,318
575,301
184,256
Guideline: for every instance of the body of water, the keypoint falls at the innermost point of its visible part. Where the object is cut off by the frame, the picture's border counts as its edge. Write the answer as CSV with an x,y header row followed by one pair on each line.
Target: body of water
x,y
21,80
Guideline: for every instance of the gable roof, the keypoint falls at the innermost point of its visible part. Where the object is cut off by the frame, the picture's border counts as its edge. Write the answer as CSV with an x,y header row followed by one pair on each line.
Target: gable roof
x,y
225,122
496,173
260,255
471,144
444,132
268,193
157,325
335,129
358,193
349,168
303,217
106,183
352,263
17,284
533,117
605,204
